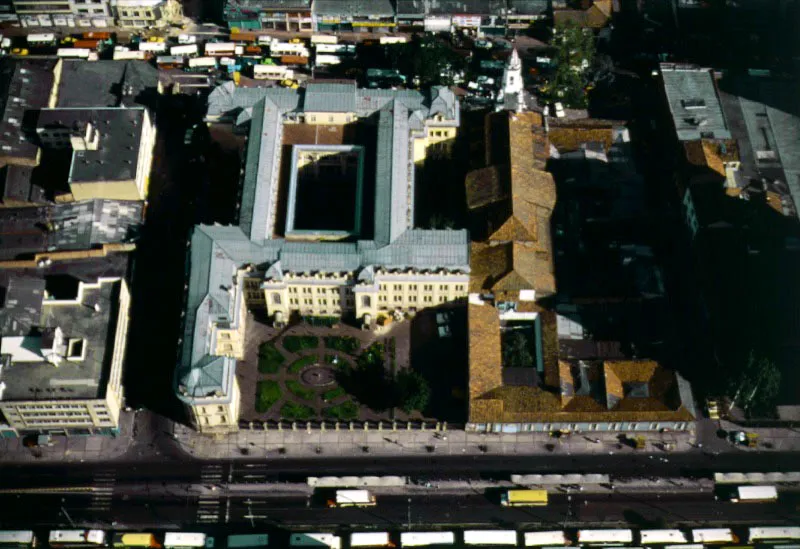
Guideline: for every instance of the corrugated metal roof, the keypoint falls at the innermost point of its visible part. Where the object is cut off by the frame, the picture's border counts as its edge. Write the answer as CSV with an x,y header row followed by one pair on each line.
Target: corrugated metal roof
x,y
693,102
339,98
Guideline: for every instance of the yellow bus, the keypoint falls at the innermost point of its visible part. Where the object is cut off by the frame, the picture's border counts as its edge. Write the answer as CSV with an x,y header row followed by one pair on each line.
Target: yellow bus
x,y
523,498
135,539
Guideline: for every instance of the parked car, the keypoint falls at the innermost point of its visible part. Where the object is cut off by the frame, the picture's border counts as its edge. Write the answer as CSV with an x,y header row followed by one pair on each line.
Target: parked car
x,y
288,83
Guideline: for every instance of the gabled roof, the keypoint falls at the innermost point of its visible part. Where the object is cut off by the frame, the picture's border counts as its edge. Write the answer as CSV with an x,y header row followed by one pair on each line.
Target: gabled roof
x,y
694,102
510,267
324,97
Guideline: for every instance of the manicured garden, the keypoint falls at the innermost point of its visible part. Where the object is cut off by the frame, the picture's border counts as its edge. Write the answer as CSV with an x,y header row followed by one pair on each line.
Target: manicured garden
x,y
269,358
294,343
296,366
268,392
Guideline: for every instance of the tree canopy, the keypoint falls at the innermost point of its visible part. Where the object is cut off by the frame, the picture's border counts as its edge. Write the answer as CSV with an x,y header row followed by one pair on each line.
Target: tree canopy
x,y
755,387
573,57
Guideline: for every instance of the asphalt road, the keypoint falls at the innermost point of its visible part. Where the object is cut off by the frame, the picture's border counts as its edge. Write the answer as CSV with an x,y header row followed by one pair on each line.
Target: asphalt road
x,y
392,512
424,467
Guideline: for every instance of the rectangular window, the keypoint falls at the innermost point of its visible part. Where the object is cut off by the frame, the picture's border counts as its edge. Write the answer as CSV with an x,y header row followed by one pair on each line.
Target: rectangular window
x,y
442,299
442,287
397,287
427,299
428,287
412,287
412,298
398,299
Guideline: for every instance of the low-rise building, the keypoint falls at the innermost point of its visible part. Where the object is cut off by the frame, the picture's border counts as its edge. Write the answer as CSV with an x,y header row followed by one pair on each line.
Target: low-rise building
x,y
354,15
146,13
63,332
325,248
64,13
484,16
284,15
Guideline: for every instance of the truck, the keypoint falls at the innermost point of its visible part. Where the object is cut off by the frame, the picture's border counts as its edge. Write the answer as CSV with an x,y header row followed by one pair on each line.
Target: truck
x,y
293,60
554,538
243,37
522,498
352,498
490,537
370,539
331,541
95,35
89,44
202,64
187,49
125,55
754,494
154,47
336,49
278,48
272,72
73,53
220,48
421,539
187,39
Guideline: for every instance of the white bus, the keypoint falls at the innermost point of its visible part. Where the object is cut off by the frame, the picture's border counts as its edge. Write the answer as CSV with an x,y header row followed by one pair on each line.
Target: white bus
x,y
17,538
324,39
713,535
220,48
272,72
339,49
41,39
77,538
490,537
393,40
186,49
370,539
754,494
155,47
421,539
662,537
605,537
556,538
322,60
184,539
286,48
315,540
773,533
78,53
202,62
123,55
352,498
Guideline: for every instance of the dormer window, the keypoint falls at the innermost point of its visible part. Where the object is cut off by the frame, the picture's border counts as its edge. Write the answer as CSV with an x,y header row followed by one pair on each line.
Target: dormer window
x,y
690,104
76,349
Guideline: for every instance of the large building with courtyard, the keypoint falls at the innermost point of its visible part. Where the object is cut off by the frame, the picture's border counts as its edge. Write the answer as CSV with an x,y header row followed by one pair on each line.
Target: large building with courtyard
x,y
326,226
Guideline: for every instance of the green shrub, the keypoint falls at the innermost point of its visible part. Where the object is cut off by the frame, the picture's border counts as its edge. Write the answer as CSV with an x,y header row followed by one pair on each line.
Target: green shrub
x,y
345,344
333,393
301,363
345,411
291,410
268,392
298,390
269,358
298,343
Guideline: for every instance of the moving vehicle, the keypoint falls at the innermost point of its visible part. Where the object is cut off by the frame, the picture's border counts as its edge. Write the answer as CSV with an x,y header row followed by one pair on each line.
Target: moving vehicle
x,y
135,539
187,49
315,540
19,51
713,535
352,498
771,534
754,494
156,47
605,537
523,498
289,83
490,537
324,39
74,53
713,409
76,538
17,538
41,39
662,537
556,538
370,539
421,539
247,541
186,539
220,48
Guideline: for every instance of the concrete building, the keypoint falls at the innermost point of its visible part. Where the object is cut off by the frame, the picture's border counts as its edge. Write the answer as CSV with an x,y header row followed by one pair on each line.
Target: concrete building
x,y
479,16
136,14
86,14
329,234
285,15
63,332
354,15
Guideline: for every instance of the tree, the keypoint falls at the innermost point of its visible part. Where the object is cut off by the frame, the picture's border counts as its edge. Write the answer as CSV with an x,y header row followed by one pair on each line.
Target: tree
x,y
756,386
516,350
429,61
413,391
574,55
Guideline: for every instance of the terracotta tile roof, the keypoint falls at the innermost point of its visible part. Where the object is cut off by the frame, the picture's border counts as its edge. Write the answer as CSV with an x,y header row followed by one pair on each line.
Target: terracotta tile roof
x,y
711,153
571,138
510,267
486,186
492,402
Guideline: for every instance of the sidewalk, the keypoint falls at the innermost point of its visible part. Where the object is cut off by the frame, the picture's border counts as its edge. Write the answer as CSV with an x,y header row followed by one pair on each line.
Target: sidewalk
x,y
72,448
247,444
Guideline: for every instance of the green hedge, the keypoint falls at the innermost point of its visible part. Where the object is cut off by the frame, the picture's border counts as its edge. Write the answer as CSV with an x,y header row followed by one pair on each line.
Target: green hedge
x,y
300,391
345,344
291,410
333,393
345,411
298,343
301,363
269,358
268,392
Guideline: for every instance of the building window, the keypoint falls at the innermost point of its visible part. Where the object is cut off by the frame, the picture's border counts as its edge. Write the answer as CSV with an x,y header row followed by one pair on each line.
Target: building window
x,y
412,287
442,287
382,287
442,299
276,298
427,299
398,299
330,119
366,301
412,298
398,287
459,287
428,287
322,302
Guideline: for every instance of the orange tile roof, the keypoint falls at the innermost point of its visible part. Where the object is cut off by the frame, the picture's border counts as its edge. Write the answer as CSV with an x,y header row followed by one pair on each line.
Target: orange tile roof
x,y
485,359
510,267
571,138
711,153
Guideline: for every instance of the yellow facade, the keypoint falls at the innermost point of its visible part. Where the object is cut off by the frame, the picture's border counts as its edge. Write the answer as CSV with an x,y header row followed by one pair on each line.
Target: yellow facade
x,y
327,118
218,418
114,190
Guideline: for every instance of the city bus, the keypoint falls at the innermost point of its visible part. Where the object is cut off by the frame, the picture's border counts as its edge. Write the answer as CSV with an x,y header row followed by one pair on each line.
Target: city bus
x,y
186,539
331,541
555,538
754,494
605,537
370,539
490,537
247,541
713,535
352,498
422,539
523,498
662,537
17,538
772,534
77,538
135,539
